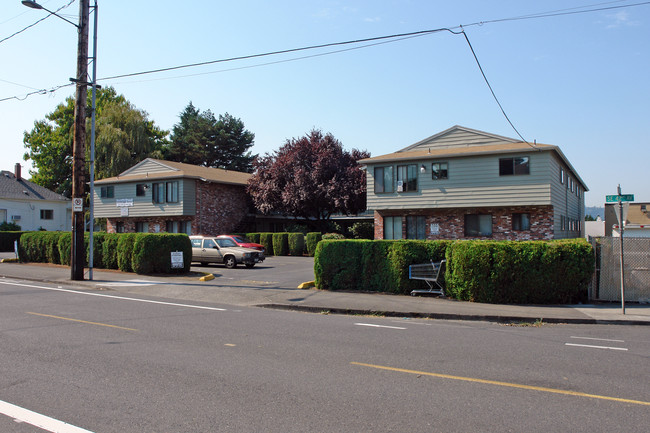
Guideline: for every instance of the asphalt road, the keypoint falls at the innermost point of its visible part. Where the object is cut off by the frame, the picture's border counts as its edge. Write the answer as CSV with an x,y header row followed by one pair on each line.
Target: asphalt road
x,y
124,363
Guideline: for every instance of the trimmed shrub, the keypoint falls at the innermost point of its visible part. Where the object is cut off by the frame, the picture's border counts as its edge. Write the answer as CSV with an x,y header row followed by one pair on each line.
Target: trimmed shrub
x,y
296,244
312,239
330,236
152,252
98,250
363,230
266,239
253,237
110,250
125,251
64,245
281,244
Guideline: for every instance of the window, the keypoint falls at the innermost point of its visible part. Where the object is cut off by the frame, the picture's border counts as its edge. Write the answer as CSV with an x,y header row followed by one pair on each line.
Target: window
x,y
47,214
171,227
392,227
521,221
185,227
107,192
226,243
439,170
572,184
172,192
119,227
140,189
514,166
562,222
415,227
408,176
562,176
478,225
158,193
196,243
142,227
209,243
384,179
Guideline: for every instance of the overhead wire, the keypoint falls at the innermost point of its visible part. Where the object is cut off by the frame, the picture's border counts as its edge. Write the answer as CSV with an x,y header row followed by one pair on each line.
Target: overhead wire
x,y
33,24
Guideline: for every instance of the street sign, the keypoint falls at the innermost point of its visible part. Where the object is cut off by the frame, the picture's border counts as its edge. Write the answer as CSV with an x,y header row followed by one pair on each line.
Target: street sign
x,y
77,204
621,197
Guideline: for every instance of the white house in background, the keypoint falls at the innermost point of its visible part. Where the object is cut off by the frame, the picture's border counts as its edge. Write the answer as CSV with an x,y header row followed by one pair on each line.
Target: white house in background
x,y
637,220
31,206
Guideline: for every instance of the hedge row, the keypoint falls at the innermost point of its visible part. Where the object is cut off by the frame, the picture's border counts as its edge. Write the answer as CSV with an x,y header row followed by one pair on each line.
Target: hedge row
x,y
372,265
533,272
285,244
143,253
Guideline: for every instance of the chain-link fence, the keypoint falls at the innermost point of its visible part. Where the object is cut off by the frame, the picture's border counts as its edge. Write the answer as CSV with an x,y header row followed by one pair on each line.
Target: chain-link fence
x,y
607,279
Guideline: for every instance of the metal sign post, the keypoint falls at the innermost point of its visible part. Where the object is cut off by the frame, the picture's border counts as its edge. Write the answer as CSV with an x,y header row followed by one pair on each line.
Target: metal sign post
x,y
620,198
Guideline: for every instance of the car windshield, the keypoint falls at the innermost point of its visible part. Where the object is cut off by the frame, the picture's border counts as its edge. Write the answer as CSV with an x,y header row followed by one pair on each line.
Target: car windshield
x,y
240,240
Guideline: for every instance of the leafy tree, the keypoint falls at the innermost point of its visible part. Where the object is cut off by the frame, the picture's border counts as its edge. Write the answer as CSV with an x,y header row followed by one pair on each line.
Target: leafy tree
x,y
201,139
123,136
589,218
310,177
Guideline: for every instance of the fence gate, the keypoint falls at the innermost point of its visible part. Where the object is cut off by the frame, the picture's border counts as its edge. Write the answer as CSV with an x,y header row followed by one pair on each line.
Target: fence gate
x,y
607,279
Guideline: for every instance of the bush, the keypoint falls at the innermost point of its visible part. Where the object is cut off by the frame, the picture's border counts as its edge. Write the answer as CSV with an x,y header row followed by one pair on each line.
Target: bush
x,y
110,250
266,239
253,237
281,244
125,251
9,227
98,250
331,236
152,252
313,238
296,244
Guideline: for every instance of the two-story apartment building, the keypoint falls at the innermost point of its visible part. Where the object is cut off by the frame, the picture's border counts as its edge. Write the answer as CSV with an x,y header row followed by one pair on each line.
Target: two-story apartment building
x,y
463,183
164,196
32,206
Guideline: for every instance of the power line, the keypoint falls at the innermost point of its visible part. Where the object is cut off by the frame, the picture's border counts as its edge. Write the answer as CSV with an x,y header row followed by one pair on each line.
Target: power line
x,y
33,24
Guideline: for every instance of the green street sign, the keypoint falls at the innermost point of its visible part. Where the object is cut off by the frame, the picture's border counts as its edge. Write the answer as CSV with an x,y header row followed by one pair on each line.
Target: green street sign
x,y
617,198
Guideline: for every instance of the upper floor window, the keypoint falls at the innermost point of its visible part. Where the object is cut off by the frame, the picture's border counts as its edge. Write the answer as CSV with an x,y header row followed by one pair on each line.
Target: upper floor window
x,y
514,166
407,177
158,192
172,192
439,170
384,179
47,214
107,192
562,176
140,189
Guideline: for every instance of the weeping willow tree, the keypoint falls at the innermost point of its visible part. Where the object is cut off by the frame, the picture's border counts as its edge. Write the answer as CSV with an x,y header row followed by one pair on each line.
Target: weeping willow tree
x,y
124,136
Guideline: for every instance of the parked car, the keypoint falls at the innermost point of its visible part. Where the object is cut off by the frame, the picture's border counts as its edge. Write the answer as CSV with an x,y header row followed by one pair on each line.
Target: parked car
x,y
217,249
243,242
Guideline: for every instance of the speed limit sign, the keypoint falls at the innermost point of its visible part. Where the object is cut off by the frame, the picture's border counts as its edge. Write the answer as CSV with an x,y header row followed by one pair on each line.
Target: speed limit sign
x,y
77,204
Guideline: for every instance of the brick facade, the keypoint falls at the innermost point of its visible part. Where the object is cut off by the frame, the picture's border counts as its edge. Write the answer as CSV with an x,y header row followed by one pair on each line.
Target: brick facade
x,y
451,222
219,209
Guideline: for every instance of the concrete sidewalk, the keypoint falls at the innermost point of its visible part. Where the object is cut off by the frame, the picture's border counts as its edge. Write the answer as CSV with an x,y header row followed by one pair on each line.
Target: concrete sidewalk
x,y
226,290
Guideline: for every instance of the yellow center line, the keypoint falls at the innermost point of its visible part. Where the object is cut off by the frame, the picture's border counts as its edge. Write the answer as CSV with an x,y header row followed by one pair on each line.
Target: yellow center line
x,y
507,384
82,321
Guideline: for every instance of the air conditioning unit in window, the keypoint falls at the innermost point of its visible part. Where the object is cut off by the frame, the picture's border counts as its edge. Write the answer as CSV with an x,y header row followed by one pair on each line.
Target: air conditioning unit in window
x,y
15,217
400,186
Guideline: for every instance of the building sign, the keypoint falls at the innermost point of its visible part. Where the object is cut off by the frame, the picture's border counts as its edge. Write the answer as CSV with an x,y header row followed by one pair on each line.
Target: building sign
x,y
177,259
124,211
124,202
434,229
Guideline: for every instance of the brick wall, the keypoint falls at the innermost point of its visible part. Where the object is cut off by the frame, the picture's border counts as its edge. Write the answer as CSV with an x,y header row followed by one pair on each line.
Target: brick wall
x,y
219,210
451,222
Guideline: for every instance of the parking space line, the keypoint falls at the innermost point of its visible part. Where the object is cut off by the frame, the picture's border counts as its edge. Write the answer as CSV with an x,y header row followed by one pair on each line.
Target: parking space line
x,y
378,326
81,321
590,346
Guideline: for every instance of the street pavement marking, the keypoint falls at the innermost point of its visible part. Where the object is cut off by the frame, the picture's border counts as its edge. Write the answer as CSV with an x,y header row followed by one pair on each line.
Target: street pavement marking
x,y
82,321
506,384
127,283
599,339
378,326
122,298
595,347
38,420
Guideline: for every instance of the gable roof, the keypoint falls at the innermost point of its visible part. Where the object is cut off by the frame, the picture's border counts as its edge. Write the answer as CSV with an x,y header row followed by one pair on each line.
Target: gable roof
x,y
13,188
155,169
459,136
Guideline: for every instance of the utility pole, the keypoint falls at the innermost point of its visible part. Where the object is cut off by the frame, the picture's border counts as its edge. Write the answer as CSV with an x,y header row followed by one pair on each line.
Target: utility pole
x,y
79,146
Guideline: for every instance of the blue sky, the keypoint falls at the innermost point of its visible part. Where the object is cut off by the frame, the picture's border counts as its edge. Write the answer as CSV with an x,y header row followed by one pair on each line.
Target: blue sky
x,y
579,81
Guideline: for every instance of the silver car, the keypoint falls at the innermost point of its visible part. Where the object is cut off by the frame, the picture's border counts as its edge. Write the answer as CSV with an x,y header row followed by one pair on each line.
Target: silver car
x,y
212,249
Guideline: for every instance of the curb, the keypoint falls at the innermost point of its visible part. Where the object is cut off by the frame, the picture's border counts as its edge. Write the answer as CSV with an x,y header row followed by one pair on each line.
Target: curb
x,y
207,277
448,316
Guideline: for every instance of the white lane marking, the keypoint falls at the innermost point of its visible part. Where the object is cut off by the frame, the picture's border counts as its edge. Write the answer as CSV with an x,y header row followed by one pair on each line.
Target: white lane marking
x,y
378,326
599,339
124,298
595,347
38,420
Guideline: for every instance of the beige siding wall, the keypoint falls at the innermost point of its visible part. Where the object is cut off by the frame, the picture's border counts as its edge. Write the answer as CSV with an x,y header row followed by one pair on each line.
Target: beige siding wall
x,y
458,138
143,206
472,182
149,167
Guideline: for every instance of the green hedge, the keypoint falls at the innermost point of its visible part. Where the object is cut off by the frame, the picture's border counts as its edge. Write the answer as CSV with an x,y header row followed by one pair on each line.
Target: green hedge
x,y
281,244
110,250
253,237
296,244
7,240
372,265
534,272
266,239
312,239
152,252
